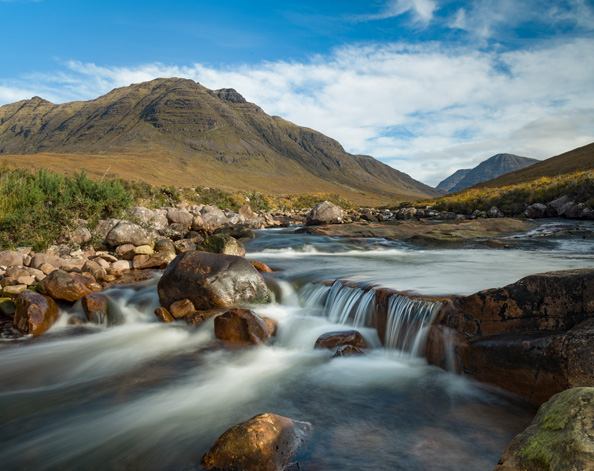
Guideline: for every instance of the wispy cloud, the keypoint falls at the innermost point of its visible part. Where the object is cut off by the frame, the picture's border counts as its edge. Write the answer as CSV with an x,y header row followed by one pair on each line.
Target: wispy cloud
x,y
421,10
425,109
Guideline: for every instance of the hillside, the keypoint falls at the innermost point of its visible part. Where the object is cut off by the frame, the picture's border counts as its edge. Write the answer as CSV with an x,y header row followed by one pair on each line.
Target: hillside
x,y
177,132
576,160
453,179
493,167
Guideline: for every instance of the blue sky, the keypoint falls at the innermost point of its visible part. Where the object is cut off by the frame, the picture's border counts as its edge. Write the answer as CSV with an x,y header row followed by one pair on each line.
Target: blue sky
x,y
427,86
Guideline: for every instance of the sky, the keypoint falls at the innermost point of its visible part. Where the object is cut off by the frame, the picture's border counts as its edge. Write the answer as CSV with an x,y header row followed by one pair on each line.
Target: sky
x,y
426,86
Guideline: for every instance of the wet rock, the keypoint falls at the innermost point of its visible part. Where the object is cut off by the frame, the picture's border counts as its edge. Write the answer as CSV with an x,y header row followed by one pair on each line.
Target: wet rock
x,y
223,244
266,442
261,267
181,308
125,232
95,307
199,317
11,258
156,260
348,351
243,327
536,210
561,436
62,285
34,313
13,291
211,281
7,307
163,315
325,213
338,339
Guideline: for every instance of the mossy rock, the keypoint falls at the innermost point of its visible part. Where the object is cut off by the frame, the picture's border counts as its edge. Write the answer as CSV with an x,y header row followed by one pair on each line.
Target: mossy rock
x,y
223,244
561,436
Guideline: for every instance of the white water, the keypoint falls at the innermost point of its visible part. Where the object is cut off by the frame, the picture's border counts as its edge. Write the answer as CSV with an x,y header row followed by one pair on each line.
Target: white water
x,y
143,395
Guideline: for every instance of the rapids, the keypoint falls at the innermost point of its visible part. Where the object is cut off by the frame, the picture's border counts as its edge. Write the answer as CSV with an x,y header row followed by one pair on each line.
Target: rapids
x,y
150,396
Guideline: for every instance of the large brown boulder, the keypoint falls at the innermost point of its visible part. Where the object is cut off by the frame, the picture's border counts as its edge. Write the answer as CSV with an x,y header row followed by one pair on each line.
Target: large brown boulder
x,y
211,281
34,313
243,327
266,442
325,213
62,285
332,340
561,436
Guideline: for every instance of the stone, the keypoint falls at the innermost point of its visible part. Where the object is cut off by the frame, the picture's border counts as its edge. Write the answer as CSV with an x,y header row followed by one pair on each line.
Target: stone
x,y
198,223
149,218
106,256
122,265
72,265
180,216
26,280
95,269
535,211
156,260
561,436
183,245
266,442
34,313
13,291
95,307
143,250
261,267
165,245
11,258
125,232
125,251
325,213
46,268
163,315
62,285
81,235
332,340
224,244
181,308
495,212
199,317
243,327
7,307
212,218
246,212
211,281
105,225
348,351
102,262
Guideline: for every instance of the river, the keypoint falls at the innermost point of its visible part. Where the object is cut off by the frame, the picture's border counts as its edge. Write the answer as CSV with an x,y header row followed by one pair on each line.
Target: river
x,y
150,396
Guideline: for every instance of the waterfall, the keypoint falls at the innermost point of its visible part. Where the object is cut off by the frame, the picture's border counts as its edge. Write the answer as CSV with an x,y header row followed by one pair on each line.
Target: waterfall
x,y
406,320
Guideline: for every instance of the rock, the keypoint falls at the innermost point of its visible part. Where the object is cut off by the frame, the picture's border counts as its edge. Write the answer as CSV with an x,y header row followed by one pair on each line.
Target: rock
x,y
72,265
247,213
105,225
183,245
125,251
181,308
561,436
536,210
266,442
143,250
495,212
13,291
62,285
95,269
106,256
325,213
11,258
156,260
122,265
198,317
212,218
34,313
95,307
46,268
7,307
211,281
243,327
555,207
163,315
81,235
348,351
149,218
338,339
125,232
180,216
198,223
261,267
224,244
26,280
165,245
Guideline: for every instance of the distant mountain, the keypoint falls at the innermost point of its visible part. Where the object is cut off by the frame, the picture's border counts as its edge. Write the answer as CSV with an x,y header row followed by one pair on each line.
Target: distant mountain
x,y
177,132
576,160
493,167
453,179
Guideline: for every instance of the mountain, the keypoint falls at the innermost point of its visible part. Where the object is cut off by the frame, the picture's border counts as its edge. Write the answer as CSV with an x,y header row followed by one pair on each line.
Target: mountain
x,y
453,179
177,132
493,167
576,160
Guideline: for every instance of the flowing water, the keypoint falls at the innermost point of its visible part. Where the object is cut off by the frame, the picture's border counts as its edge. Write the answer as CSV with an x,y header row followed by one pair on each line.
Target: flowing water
x,y
144,395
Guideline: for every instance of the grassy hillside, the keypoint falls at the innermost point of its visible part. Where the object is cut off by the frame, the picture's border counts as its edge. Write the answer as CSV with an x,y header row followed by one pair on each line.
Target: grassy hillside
x,y
177,132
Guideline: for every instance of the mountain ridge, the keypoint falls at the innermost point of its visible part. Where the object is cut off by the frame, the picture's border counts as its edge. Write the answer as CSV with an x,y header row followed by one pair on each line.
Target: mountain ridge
x,y
196,132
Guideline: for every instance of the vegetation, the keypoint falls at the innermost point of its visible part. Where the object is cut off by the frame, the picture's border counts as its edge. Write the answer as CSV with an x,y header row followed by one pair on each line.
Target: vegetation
x,y
512,200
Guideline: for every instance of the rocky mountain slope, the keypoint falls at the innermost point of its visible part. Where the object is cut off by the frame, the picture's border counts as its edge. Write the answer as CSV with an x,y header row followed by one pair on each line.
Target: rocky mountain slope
x,y
493,167
453,179
177,132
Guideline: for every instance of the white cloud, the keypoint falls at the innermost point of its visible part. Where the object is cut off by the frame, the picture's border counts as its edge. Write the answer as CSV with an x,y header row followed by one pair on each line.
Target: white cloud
x,y
425,109
422,10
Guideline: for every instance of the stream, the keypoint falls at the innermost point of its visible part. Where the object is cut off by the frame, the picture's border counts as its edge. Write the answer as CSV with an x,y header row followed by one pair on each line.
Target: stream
x,y
142,395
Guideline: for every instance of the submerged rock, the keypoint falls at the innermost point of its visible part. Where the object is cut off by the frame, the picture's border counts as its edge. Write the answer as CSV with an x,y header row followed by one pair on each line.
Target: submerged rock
x,y
95,307
34,313
561,436
211,281
266,442
243,327
348,351
338,339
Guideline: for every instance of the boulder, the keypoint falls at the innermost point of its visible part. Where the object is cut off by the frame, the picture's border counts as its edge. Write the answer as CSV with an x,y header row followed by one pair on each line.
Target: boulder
x,y
13,291
181,308
536,210
125,251
180,216
81,235
7,307
105,225
95,307
163,315
122,265
338,339
183,245
149,218
325,213
164,245
34,313
212,218
246,212
495,212
62,285
224,244
561,436
261,267
125,232
243,327
95,269
11,258
211,281
266,442
157,260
